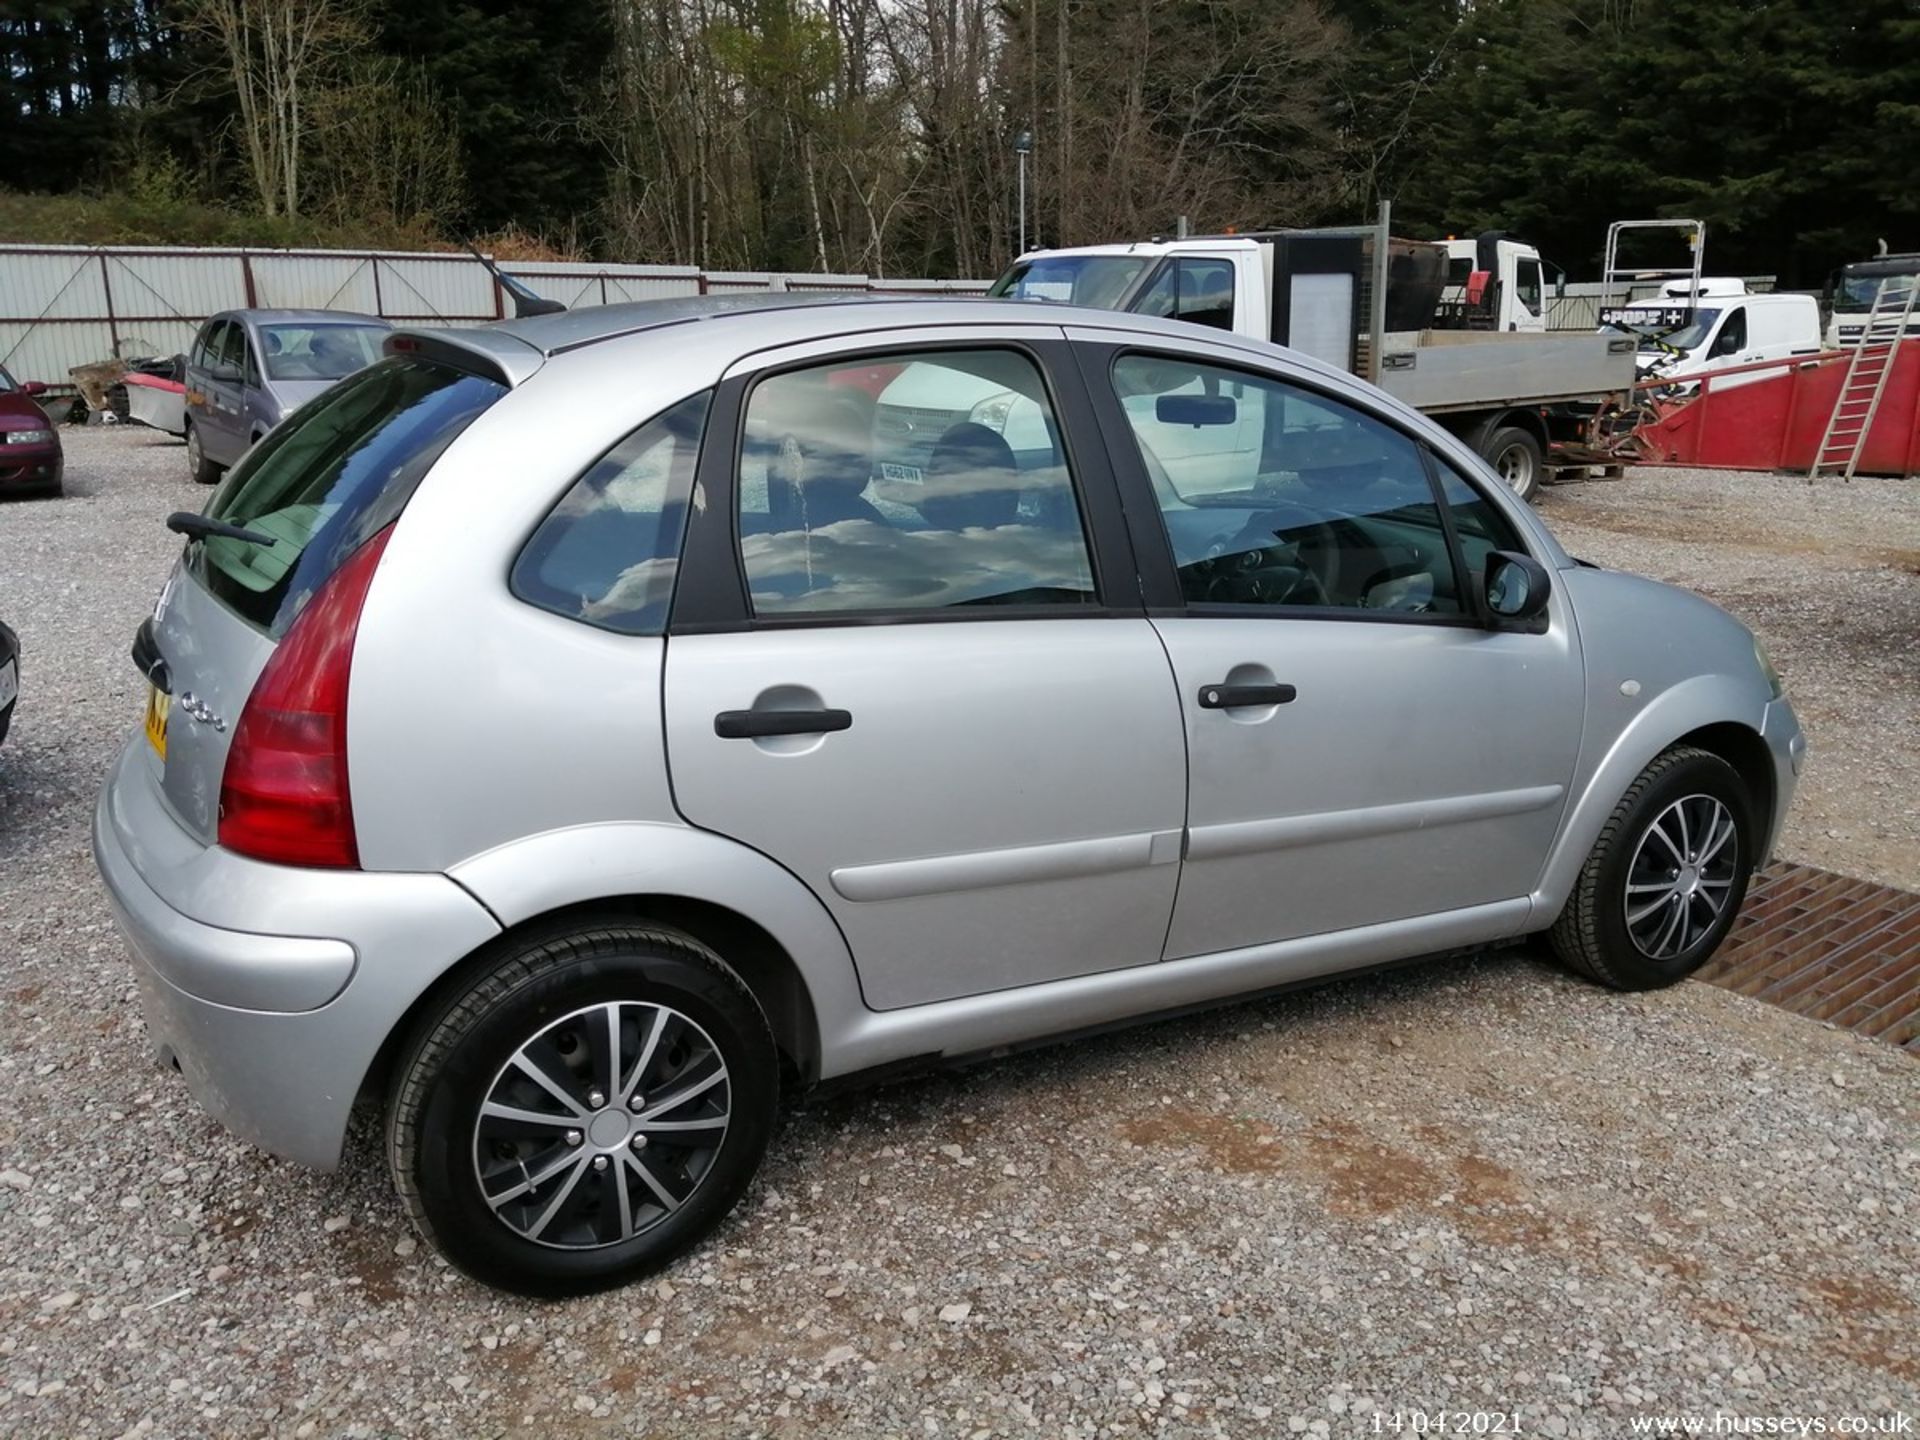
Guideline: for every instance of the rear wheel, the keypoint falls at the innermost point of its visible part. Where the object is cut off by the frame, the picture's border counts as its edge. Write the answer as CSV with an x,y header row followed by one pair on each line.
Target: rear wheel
x,y
203,470
1666,877
1518,458
584,1110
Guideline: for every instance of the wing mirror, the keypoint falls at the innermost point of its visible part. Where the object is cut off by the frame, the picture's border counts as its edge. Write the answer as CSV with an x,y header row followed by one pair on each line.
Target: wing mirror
x,y
1517,587
1196,410
33,387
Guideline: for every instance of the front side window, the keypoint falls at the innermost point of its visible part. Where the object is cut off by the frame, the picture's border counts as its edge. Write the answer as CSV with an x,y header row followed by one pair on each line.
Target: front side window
x,y
1304,502
230,348
1733,335
915,482
609,551
1477,523
1527,285
324,481
1200,291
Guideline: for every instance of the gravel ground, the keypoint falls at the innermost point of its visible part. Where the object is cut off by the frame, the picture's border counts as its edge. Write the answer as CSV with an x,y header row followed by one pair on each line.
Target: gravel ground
x,y
1829,577
1469,1186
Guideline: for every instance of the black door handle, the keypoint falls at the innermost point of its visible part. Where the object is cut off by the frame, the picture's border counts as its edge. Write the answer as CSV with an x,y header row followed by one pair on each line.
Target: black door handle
x,y
754,724
1234,697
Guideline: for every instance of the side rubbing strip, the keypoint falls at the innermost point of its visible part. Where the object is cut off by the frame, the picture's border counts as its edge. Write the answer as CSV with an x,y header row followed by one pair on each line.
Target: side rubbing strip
x,y
1250,837
983,869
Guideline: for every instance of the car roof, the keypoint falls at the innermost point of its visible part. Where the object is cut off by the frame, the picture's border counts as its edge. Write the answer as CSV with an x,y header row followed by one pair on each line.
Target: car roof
x,y
309,317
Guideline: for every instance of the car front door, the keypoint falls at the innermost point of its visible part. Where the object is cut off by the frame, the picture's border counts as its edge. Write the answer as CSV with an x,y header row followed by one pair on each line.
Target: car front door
x,y
1363,747
925,684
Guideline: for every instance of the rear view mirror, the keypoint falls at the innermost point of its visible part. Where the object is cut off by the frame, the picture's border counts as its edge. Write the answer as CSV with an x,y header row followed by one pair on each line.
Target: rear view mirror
x,y
1196,410
1517,586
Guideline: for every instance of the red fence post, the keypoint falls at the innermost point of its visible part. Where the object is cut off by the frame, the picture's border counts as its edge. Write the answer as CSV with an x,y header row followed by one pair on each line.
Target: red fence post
x,y
106,293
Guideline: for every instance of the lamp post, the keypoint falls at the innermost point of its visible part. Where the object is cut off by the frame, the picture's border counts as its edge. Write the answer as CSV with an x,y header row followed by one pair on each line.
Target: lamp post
x,y
1023,147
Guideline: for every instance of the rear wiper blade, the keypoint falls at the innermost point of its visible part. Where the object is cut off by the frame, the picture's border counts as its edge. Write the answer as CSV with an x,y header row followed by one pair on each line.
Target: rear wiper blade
x,y
199,527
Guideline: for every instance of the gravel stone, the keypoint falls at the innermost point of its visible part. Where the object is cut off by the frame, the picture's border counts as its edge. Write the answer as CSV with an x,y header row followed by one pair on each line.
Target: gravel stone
x,y
1543,1199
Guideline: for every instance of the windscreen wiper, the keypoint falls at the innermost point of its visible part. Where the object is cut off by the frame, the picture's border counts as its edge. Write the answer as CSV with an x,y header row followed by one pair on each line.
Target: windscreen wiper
x,y
199,527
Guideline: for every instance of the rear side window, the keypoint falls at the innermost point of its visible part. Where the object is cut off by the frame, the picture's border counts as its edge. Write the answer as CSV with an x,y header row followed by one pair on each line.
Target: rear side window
x,y
608,552
339,469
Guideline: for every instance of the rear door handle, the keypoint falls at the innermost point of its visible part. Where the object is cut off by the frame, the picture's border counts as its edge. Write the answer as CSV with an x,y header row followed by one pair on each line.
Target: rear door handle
x,y
1235,697
755,724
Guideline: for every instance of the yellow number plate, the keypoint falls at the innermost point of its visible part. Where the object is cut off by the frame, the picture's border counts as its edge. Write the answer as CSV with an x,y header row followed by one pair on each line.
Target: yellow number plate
x,y
158,705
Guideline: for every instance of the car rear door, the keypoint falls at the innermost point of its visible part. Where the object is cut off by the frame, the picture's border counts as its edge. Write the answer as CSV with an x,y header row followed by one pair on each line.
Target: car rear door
x,y
1362,747
935,700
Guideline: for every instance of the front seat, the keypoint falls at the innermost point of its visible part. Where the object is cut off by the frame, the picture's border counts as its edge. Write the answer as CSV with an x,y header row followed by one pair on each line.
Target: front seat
x,y
971,481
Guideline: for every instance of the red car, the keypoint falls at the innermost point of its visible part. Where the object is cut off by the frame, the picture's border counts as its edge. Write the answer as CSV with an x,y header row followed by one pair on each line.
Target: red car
x,y
30,455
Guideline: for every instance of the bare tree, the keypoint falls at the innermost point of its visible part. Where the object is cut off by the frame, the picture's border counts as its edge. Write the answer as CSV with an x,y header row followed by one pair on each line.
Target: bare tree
x,y
277,54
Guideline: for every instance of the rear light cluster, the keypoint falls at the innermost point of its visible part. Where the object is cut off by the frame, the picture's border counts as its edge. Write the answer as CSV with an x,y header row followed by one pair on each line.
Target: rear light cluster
x,y
284,797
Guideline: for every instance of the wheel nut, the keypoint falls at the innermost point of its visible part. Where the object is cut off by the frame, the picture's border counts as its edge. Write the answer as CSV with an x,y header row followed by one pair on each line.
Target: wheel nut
x,y
599,1162
596,1099
574,1137
637,1103
639,1142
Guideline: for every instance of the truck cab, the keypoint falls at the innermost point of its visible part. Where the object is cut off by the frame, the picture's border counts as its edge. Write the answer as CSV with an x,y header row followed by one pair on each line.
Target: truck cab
x,y
1494,282
1850,295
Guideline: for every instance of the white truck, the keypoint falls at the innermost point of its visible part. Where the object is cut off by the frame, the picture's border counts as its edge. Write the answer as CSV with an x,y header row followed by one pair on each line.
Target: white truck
x,y
1851,292
1458,330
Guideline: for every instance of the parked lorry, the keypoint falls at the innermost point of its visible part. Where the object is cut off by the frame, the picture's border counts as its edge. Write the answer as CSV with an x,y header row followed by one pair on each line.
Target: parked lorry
x,y
1851,291
1457,329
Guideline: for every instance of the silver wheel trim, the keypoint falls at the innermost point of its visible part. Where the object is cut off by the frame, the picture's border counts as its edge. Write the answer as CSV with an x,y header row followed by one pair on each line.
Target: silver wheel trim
x,y
1680,876
601,1125
194,456
1515,464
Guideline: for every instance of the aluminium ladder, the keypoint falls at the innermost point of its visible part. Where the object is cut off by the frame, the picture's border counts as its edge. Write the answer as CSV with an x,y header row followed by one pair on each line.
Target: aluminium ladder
x,y
1866,380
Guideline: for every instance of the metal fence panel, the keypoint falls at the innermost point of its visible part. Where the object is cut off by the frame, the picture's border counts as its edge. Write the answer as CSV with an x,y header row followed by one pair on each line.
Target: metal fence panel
x,y
62,306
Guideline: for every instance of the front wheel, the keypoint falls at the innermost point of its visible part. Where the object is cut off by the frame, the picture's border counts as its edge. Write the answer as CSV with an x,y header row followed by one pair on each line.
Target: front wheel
x,y
585,1109
1666,877
1518,458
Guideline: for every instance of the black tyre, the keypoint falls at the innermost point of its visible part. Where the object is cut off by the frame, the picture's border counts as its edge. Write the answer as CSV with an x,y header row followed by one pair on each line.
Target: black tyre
x,y
1666,877
203,470
588,1107
1518,458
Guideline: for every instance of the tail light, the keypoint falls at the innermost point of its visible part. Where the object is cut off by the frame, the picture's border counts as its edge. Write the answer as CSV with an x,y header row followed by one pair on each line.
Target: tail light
x,y
284,797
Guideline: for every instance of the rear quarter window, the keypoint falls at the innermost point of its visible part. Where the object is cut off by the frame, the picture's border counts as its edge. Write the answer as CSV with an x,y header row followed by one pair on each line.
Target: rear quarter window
x,y
339,469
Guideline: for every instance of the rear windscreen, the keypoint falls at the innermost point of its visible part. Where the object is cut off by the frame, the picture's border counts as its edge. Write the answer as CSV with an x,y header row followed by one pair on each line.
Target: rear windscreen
x,y
335,472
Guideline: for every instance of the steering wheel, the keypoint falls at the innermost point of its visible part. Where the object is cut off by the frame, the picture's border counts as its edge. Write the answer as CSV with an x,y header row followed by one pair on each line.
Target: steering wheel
x,y
1310,544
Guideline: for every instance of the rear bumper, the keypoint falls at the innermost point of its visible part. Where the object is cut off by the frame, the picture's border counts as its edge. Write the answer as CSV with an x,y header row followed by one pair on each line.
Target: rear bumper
x,y
271,988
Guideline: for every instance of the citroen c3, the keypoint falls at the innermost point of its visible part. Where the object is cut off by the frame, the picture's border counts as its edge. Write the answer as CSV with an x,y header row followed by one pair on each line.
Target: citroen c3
x,y
568,732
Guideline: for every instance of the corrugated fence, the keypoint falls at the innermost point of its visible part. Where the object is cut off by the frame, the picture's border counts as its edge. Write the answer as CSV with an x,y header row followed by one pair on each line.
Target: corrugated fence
x,y
68,305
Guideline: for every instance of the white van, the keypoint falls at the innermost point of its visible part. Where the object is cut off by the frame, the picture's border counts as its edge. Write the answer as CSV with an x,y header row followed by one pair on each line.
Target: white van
x,y
1721,332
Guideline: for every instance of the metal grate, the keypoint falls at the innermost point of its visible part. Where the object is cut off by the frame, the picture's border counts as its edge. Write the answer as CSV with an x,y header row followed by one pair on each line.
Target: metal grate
x,y
1829,947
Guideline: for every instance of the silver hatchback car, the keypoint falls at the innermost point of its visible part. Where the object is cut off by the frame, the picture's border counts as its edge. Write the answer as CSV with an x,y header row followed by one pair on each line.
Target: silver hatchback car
x,y
567,731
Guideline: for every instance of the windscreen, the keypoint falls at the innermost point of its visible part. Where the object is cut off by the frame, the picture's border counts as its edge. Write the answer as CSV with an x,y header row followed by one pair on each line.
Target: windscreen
x,y
334,473
319,352
1098,281
1856,292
